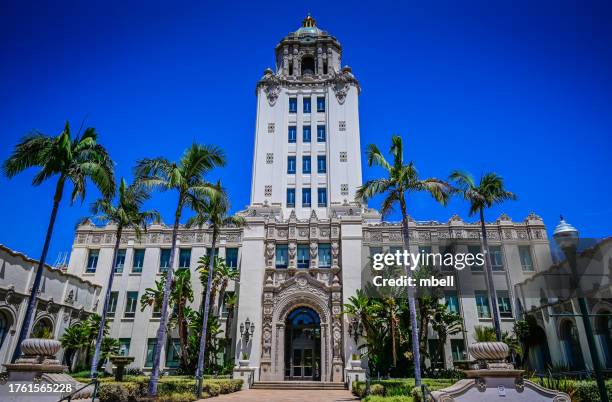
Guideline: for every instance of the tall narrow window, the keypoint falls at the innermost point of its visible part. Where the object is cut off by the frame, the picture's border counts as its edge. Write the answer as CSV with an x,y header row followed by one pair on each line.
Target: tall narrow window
x,y
451,301
120,261
151,343
164,259
307,106
321,134
322,197
303,256
131,301
124,346
458,349
92,261
325,66
138,263
306,134
173,351
503,304
185,258
306,164
496,258
321,164
306,197
292,105
231,257
282,256
324,255
290,197
292,134
291,164
112,304
321,103
526,261
482,304
156,310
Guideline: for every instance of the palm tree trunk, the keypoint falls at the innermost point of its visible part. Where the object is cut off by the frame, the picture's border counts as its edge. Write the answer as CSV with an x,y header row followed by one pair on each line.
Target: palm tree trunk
x,y
107,296
489,275
163,322
202,351
27,321
416,354
183,334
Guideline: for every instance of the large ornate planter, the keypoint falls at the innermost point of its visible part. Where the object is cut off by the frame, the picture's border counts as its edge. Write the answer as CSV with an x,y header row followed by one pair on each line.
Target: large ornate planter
x,y
40,347
489,351
243,363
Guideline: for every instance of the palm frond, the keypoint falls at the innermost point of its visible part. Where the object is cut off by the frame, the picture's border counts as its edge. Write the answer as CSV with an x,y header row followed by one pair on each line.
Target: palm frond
x,y
376,158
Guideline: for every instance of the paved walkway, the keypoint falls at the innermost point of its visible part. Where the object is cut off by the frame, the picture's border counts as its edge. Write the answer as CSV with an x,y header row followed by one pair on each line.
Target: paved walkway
x,y
285,395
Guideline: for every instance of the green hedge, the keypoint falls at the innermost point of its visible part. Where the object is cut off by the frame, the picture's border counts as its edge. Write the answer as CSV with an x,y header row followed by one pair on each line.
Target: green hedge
x,y
400,387
169,389
388,399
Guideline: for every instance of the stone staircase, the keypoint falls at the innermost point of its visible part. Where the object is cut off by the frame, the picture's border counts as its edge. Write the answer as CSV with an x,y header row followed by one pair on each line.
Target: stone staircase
x,y
315,385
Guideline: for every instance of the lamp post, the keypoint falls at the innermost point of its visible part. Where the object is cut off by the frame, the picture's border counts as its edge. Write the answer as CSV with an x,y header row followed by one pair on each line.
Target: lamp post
x,y
566,237
247,329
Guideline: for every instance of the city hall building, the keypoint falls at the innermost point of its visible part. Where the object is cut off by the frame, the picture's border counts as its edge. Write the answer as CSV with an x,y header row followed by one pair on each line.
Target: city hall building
x,y
307,240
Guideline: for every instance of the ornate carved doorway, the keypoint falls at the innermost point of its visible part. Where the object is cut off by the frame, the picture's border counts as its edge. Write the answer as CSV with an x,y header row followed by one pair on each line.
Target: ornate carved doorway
x,y
303,345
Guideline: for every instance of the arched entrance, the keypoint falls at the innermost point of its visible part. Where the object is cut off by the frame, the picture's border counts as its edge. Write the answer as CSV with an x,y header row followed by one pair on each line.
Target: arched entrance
x,y
603,333
571,345
303,345
539,355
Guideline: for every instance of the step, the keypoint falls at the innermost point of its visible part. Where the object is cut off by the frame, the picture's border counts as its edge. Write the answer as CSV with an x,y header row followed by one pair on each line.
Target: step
x,y
298,385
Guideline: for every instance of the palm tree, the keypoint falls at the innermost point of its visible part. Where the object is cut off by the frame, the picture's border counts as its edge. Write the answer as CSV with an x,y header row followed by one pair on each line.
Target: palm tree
x,y
222,276
126,214
213,212
73,160
402,179
187,178
73,341
489,191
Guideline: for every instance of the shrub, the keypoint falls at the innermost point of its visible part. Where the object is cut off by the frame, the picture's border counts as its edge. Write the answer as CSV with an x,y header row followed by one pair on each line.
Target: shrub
x,y
388,399
119,392
587,391
358,389
377,389
417,395
180,397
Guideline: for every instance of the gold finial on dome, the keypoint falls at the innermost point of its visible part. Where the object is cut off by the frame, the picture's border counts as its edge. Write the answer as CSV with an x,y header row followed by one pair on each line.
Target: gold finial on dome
x,y
309,22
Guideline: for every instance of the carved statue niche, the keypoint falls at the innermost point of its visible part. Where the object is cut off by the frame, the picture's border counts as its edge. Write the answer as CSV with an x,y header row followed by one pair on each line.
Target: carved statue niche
x,y
314,251
270,251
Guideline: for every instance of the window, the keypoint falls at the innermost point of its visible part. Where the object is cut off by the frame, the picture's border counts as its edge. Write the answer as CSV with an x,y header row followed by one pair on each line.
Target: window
x,y
482,304
120,261
321,103
503,304
173,351
92,261
306,134
321,164
305,197
343,157
525,255
437,361
342,125
164,259
496,258
322,197
306,164
307,105
292,105
138,260
112,304
269,158
475,250
131,302
291,197
303,256
209,251
185,258
282,256
270,128
321,134
292,134
458,349
151,343
268,191
324,255
231,257
291,165
451,301
226,306
124,346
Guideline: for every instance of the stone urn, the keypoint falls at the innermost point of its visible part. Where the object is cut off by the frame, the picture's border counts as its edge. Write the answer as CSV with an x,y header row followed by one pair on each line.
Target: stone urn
x,y
485,352
243,363
41,350
120,362
355,362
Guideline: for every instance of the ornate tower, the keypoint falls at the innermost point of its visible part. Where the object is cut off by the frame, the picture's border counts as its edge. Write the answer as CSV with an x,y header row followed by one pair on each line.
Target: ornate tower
x,y
307,148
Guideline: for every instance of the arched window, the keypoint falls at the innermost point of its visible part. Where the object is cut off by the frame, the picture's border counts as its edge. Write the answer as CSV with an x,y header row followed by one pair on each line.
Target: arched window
x,y
308,65
43,329
5,324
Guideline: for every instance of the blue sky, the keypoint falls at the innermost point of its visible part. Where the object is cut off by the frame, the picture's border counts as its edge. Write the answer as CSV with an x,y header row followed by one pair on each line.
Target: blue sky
x,y
522,88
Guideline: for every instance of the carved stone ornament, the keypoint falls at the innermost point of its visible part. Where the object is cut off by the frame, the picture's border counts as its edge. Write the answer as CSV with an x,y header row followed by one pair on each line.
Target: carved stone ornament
x,y
341,83
271,86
